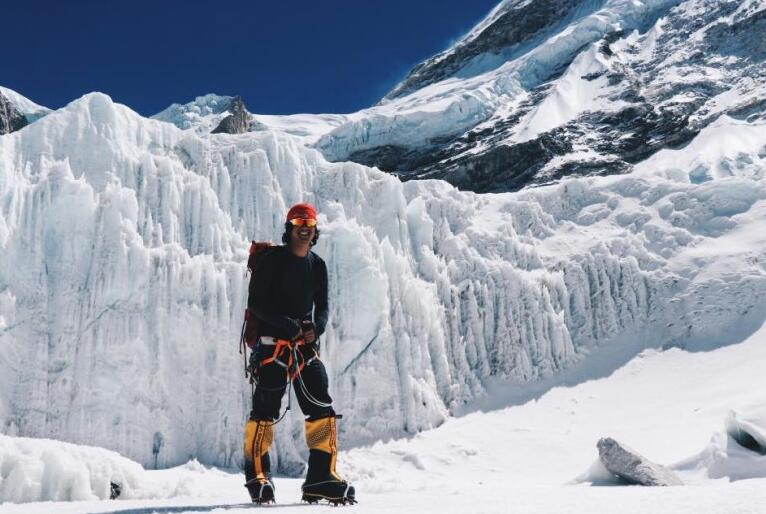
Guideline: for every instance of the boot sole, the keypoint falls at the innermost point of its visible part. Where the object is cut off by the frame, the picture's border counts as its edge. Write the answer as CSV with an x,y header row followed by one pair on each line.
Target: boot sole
x,y
316,498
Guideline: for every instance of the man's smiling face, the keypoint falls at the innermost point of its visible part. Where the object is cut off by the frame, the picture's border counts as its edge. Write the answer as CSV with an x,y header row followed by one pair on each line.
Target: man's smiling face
x,y
303,234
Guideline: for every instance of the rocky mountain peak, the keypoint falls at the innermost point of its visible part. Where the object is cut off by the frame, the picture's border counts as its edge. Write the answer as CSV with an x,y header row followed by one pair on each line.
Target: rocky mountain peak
x,y
238,122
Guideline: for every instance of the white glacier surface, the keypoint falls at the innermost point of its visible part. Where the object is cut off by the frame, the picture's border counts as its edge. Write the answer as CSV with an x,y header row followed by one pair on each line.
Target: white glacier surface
x,y
122,278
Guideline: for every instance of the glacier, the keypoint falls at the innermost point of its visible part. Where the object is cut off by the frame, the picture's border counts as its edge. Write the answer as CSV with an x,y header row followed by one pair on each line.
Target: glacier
x,y
122,279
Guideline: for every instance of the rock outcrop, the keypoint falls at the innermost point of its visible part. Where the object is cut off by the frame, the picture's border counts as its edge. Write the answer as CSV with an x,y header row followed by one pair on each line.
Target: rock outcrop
x,y
632,467
11,119
238,122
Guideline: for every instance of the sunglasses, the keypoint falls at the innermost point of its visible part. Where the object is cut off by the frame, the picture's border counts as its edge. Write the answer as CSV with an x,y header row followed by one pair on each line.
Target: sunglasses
x,y
299,222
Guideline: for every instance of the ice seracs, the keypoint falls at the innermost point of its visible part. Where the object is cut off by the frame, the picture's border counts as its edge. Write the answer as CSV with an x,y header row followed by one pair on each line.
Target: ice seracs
x,y
125,238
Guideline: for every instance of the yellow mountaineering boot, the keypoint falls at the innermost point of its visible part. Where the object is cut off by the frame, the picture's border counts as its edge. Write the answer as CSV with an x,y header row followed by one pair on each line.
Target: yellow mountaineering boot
x,y
258,438
322,482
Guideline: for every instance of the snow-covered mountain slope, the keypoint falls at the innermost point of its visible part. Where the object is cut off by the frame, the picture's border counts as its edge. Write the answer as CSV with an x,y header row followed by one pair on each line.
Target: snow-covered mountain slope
x,y
544,89
534,455
121,283
307,128
510,27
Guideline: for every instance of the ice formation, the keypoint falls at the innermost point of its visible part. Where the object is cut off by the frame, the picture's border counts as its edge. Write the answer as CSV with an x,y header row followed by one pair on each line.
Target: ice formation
x,y
124,242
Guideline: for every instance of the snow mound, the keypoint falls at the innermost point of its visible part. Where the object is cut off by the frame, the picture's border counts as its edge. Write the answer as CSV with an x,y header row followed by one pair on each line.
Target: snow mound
x,y
738,452
45,470
748,428
33,470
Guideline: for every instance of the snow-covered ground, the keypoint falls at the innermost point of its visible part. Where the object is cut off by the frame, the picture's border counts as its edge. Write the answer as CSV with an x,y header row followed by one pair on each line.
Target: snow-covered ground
x,y
531,455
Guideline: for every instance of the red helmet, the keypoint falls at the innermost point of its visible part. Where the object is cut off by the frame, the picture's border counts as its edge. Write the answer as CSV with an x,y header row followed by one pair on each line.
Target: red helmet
x,y
304,211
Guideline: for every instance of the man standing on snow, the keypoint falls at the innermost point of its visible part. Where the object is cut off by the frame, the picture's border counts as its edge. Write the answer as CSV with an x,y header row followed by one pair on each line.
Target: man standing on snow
x,y
288,295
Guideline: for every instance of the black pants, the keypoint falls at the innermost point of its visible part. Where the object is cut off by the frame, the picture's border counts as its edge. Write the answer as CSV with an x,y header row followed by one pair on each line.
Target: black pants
x,y
272,384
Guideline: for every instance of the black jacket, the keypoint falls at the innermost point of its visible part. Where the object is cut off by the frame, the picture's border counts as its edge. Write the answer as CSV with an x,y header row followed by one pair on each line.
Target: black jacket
x,y
287,289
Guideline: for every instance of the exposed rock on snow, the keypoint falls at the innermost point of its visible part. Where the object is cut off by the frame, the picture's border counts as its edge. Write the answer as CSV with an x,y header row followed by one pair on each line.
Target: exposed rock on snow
x,y
30,110
238,122
211,113
11,119
632,467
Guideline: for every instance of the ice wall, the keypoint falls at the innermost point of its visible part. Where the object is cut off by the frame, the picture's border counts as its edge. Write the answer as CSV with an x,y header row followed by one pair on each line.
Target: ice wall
x,y
122,280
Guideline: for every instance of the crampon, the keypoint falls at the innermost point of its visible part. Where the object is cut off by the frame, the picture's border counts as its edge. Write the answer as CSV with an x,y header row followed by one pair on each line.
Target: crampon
x,y
313,500
261,492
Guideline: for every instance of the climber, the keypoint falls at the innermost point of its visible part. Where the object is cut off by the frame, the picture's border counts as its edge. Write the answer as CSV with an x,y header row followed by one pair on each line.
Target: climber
x,y
288,296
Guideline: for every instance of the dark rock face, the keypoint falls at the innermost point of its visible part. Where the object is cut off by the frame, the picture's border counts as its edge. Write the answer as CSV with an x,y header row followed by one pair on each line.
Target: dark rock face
x,y
665,98
238,122
11,119
514,26
632,467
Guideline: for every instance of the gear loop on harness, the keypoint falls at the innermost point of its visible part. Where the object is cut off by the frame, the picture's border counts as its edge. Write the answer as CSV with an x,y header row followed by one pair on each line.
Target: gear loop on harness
x,y
295,359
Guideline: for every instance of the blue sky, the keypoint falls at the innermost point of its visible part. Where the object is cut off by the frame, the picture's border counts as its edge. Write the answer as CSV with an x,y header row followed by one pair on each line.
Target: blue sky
x,y
282,57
